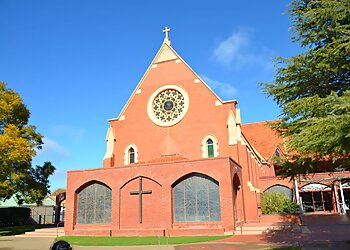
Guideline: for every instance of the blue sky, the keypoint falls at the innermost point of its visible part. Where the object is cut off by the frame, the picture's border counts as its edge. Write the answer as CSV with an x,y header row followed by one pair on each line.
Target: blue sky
x,y
75,63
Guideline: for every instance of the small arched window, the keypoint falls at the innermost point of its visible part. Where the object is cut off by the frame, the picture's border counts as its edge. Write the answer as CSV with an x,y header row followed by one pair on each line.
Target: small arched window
x,y
280,189
131,155
210,148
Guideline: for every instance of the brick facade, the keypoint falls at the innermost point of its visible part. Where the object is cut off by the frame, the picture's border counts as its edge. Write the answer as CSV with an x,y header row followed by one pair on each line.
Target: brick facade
x,y
163,155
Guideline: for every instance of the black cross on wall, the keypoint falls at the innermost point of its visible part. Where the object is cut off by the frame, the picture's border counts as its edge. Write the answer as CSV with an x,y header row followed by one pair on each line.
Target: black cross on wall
x,y
140,192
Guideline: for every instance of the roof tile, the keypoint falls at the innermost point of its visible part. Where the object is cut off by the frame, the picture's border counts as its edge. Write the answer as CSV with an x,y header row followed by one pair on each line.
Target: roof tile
x,y
262,137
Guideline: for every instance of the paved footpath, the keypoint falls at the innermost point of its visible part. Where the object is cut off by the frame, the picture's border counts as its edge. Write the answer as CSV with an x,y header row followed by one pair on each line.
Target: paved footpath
x,y
318,233
15,243
22,243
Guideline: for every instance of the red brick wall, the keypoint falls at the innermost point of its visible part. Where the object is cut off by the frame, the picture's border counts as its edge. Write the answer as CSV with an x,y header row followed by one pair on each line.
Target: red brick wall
x,y
157,207
129,205
184,138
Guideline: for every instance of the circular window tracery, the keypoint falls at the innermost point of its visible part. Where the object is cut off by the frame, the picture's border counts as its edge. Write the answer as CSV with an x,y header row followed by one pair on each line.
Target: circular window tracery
x,y
168,105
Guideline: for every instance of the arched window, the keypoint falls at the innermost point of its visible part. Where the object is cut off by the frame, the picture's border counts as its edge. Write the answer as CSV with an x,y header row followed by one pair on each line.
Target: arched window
x,y
196,199
210,148
94,204
281,189
131,155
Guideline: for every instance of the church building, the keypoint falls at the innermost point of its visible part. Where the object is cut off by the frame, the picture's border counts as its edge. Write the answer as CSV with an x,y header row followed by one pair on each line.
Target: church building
x,y
178,162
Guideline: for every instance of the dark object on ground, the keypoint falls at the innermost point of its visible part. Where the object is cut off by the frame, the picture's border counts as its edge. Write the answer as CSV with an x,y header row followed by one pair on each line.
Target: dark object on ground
x,y
61,245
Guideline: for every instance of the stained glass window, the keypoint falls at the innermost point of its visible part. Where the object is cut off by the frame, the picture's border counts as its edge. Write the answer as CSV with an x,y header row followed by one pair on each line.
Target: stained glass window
x,y
196,199
210,147
168,105
94,204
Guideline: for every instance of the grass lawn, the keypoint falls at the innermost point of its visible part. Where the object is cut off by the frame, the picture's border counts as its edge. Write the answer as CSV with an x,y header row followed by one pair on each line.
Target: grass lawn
x,y
134,241
7,231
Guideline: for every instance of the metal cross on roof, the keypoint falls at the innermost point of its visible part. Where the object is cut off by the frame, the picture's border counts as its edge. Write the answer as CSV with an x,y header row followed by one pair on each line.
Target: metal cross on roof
x,y
166,31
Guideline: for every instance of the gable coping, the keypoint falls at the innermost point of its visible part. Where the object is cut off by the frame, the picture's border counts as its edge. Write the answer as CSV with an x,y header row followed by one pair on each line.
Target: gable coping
x,y
152,66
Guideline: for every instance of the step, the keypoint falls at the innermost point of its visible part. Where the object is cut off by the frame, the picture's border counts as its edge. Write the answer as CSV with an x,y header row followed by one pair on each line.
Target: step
x,y
44,232
49,230
238,232
267,224
38,235
261,228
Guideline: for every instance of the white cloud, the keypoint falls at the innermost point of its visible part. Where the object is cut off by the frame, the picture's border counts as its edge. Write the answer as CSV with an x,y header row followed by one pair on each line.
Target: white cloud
x,y
68,131
237,51
224,90
52,151
229,50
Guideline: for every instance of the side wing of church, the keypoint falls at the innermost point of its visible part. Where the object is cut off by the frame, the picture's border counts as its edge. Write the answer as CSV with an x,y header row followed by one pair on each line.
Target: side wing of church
x,y
177,162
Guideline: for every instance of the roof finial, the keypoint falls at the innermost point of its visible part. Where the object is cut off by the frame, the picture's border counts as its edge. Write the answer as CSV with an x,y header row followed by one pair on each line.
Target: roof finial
x,y
166,38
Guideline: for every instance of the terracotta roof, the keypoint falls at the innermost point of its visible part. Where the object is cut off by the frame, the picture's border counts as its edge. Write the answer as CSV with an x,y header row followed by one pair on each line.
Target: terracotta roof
x,y
168,158
262,137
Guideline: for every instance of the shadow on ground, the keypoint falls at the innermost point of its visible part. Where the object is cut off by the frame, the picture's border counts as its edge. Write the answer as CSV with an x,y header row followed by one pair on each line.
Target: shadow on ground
x,y
316,229
317,232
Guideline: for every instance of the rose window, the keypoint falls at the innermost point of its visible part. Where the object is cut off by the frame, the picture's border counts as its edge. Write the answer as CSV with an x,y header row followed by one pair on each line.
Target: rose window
x,y
168,105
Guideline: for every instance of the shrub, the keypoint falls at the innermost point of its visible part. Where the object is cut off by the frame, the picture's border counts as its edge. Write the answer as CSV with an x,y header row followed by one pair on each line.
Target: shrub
x,y
14,216
277,203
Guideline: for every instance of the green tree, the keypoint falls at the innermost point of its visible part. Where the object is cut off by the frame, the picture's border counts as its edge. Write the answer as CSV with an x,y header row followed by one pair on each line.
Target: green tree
x,y
277,203
313,88
18,144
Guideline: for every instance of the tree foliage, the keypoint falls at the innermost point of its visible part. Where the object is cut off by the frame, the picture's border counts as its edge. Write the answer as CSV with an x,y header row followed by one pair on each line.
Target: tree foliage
x,y
277,203
18,144
313,88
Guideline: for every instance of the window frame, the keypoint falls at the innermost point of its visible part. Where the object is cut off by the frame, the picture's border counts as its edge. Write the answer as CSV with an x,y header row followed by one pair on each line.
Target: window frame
x,y
131,154
210,148
127,155
204,146
88,190
208,185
